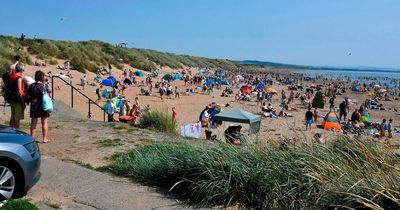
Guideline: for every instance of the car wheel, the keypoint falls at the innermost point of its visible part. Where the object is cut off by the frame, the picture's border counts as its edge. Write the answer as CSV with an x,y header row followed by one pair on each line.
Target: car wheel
x,y
7,183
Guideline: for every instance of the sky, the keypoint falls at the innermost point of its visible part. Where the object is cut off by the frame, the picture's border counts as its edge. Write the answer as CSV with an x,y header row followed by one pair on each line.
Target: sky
x,y
309,32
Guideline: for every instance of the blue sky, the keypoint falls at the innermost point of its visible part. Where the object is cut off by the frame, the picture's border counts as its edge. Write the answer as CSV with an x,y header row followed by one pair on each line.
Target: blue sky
x,y
314,32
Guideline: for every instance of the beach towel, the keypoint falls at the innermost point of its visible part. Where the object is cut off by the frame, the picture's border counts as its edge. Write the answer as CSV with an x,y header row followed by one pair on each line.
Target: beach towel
x,y
191,130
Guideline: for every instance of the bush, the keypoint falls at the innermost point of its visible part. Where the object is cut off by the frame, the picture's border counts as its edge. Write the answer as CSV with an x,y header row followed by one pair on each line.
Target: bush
x,y
52,62
159,121
19,204
348,174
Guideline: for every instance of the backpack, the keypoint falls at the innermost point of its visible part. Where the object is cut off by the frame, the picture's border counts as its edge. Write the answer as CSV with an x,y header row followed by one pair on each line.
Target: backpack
x,y
11,93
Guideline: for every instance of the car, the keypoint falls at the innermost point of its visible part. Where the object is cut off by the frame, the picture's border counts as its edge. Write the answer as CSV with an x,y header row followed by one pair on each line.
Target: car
x,y
19,163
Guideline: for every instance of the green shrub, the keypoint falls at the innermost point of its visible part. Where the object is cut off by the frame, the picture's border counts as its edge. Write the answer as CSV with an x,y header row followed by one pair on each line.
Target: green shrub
x,y
19,204
52,62
349,174
159,121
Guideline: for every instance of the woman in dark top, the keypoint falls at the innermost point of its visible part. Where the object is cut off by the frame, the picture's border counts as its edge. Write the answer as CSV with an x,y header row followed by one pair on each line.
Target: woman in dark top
x,y
34,95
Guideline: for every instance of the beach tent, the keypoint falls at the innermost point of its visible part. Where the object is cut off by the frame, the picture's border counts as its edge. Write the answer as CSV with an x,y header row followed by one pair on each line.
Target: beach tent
x,y
209,82
245,89
139,73
106,93
355,88
240,116
223,82
167,77
110,81
318,101
127,81
270,90
260,86
177,76
331,122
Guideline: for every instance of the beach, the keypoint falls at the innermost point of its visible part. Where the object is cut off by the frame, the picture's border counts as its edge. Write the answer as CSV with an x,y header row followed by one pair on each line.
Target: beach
x,y
189,107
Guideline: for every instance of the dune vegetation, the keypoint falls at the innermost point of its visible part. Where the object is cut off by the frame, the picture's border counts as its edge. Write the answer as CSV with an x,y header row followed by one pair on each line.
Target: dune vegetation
x,y
347,174
89,55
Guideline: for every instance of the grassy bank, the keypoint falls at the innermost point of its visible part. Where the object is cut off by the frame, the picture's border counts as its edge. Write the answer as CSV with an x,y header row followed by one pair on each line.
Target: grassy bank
x,y
159,120
19,204
347,174
88,55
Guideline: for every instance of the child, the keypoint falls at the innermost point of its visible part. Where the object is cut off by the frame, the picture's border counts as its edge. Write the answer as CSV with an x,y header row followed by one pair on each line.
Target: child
x,y
174,114
309,119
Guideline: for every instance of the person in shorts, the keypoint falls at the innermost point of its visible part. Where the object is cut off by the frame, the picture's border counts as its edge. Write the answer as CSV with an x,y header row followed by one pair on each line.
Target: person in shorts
x,y
343,111
309,119
17,103
34,95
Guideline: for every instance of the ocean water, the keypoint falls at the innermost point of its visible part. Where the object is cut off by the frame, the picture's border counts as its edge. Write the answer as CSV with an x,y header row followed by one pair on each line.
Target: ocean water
x,y
389,78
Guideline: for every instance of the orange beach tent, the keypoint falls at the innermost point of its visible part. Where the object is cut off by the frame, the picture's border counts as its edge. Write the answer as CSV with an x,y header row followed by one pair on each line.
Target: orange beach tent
x,y
331,122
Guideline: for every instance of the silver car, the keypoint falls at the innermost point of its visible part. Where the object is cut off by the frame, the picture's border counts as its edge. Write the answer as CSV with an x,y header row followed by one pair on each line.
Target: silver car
x,y
19,163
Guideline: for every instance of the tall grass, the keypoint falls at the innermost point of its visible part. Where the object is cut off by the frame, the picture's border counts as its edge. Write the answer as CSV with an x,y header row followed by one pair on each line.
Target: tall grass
x,y
159,120
88,55
349,174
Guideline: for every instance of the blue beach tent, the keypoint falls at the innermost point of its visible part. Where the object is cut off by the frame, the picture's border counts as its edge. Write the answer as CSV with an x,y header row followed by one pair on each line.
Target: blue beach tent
x,y
110,81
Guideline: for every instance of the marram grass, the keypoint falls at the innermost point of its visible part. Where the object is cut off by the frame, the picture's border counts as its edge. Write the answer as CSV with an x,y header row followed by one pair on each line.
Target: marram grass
x,y
349,174
159,120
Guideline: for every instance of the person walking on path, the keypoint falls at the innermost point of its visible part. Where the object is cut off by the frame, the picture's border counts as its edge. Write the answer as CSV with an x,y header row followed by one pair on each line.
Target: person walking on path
x,y
34,96
17,99
309,119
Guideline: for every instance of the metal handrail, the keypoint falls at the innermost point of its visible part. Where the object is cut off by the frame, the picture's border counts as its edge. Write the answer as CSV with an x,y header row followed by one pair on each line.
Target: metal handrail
x,y
72,96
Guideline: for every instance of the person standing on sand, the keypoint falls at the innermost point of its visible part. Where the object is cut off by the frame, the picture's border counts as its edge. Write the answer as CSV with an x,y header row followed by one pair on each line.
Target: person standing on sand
x,y
110,109
83,82
34,95
315,115
342,111
174,114
98,93
309,119
18,90
177,92
390,131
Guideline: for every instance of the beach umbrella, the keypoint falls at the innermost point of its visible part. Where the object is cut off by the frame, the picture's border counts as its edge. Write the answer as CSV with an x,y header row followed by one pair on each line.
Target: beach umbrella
x,y
139,73
245,89
260,86
270,90
167,77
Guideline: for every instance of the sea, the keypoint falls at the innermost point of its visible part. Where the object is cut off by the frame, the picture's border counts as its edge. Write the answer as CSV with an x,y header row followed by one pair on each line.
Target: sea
x,y
389,78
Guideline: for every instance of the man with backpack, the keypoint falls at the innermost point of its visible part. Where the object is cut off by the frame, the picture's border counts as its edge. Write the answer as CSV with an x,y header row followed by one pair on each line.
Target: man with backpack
x,y
14,94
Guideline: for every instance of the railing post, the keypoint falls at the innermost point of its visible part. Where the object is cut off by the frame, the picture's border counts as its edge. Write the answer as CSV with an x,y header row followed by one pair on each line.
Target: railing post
x,y
52,87
89,114
72,95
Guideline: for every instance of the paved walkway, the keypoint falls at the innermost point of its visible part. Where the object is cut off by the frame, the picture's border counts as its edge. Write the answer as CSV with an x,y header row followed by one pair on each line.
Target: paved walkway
x,y
73,187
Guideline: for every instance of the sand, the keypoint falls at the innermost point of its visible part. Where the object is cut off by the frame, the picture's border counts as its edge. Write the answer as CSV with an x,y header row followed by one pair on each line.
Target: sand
x,y
189,107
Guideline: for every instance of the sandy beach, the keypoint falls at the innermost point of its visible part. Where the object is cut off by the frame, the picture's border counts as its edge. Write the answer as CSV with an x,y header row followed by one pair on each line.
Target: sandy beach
x,y
189,106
